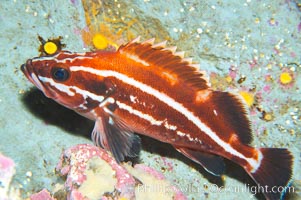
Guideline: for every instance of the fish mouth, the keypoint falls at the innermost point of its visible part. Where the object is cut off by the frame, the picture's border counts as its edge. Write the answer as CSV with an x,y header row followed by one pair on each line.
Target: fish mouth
x,y
27,70
31,75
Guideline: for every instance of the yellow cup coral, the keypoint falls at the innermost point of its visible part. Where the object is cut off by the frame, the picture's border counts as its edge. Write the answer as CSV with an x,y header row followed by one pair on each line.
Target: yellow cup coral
x,y
285,78
248,97
50,48
99,41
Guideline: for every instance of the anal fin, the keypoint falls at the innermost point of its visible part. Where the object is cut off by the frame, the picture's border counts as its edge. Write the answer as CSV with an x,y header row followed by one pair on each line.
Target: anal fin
x,y
212,163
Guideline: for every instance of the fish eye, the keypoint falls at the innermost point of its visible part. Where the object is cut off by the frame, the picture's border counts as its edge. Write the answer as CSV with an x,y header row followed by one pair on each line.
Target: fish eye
x,y
60,74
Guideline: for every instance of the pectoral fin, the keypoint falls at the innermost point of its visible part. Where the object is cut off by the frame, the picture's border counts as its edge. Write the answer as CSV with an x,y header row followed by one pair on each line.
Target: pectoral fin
x,y
212,163
114,135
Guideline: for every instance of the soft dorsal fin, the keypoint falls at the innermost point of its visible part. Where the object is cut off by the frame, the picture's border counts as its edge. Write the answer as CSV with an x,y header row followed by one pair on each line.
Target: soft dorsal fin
x,y
235,113
167,60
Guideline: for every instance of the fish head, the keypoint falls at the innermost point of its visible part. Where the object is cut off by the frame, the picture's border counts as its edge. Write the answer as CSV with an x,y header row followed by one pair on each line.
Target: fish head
x,y
54,76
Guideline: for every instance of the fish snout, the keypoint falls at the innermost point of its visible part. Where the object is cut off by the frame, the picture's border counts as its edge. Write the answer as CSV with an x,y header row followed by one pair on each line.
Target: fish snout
x,y
25,67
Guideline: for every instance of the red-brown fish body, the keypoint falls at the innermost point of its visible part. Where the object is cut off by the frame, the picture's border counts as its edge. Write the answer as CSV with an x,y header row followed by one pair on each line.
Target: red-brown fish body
x,y
153,90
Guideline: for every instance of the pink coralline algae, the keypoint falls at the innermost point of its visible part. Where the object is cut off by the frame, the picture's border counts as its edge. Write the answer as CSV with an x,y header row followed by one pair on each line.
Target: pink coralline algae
x,y
74,165
178,195
7,171
92,173
42,195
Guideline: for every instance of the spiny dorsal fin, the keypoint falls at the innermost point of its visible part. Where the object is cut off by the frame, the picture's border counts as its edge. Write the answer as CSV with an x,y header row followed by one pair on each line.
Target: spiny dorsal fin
x,y
167,60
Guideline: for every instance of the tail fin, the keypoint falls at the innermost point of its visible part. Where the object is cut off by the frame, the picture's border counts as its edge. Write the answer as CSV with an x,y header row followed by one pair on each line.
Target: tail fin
x,y
274,172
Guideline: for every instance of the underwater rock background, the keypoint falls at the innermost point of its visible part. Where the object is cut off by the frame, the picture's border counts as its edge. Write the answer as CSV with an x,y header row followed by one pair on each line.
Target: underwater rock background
x,y
248,47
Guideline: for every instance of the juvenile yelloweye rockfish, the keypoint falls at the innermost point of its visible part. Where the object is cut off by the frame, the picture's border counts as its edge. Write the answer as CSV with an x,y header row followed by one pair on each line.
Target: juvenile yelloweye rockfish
x,y
148,89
